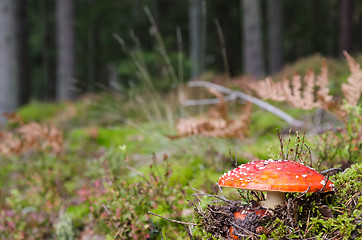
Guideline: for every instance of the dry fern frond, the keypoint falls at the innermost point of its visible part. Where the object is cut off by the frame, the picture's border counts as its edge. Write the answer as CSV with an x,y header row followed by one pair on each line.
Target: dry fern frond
x,y
301,94
9,144
324,99
268,89
12,117
31,136
220,110
311,92
216,123
296,92
353,89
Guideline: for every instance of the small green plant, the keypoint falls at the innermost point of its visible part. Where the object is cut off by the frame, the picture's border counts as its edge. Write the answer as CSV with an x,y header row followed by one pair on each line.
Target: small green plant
x,y
130,195
343,145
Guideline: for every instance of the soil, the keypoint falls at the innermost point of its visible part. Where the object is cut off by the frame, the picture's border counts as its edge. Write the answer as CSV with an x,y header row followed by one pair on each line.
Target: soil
x,y
220,221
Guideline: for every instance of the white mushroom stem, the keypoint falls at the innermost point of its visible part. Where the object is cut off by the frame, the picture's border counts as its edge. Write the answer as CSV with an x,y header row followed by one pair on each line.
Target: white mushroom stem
x,y
273,199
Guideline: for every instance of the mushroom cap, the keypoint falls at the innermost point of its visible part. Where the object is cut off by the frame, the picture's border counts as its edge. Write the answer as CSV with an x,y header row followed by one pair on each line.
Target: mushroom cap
x,y
276,175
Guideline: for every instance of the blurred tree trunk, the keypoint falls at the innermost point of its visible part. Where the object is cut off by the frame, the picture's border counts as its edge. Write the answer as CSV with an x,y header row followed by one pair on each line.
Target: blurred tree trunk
x,y
48,56
345,37
92,67
65,50
195,36
9,56
252,38
24,62
275,35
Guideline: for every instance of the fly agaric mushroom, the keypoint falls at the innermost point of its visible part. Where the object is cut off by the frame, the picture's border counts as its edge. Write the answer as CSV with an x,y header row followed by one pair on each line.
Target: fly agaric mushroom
x,y
276,177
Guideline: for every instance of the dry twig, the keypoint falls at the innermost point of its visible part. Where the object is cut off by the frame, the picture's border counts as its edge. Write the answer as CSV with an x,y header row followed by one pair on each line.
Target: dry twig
x,y
245,97
172,220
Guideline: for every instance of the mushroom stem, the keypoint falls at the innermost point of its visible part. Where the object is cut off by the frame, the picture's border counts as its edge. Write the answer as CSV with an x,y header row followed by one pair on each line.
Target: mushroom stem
x,y
273,199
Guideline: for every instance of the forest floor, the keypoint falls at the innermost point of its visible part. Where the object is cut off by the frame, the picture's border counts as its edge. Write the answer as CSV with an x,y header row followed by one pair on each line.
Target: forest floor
x,y
122,166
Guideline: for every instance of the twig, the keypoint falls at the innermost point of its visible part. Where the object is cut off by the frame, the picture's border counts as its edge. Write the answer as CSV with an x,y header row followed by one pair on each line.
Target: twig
x,y
305,232
268,107
303,193
325,172
222,194
140,174
188,232
161,45
310,154
281,145
208,101
172,220
210,195
106,209
325,184
256,196
243,229
231,158
351,199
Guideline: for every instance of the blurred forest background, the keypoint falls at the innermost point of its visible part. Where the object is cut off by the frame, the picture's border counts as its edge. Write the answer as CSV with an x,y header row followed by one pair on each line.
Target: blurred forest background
x,y
60,49
100,123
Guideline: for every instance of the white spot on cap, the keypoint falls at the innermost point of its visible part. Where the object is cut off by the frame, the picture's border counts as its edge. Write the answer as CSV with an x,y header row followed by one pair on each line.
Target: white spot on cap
x,y
323,182
261,168
278,168
304,175
297,176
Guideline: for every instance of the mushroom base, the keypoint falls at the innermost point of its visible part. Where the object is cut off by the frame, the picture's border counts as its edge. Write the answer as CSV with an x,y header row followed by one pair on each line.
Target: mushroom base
x,y
273,199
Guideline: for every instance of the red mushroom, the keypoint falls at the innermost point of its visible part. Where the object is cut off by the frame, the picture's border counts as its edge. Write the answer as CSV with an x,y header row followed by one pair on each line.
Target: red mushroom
x,y
276,177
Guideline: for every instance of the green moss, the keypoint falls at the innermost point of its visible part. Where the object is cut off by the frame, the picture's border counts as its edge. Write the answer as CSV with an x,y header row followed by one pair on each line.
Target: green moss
x,y
40,111
134,139
348,182
346,205
281,231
